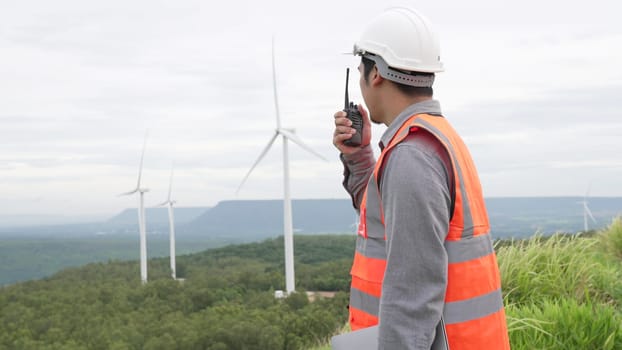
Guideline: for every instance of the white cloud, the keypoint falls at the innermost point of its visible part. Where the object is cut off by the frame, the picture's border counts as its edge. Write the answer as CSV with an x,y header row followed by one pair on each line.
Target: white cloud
x,y
534,91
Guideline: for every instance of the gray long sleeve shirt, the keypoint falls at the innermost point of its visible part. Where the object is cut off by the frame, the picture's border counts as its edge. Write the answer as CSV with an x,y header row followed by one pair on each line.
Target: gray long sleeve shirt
x,y
416,188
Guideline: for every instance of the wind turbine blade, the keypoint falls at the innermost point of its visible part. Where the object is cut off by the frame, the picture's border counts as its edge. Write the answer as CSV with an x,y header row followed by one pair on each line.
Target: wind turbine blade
x,y
162,204
170,185
589,212
276,98
587,192
294,138
128,193
142,156
263,153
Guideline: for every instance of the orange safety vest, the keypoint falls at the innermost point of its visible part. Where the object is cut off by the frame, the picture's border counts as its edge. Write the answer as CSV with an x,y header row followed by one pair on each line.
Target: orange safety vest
x,y
473,313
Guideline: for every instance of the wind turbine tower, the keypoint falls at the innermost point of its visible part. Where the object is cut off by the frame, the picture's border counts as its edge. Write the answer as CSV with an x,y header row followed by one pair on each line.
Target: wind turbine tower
x,y
286,135
141,217
171,221
586,213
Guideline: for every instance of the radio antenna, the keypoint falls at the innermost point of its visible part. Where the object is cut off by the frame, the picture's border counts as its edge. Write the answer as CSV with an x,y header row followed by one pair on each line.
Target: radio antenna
x,y
347,100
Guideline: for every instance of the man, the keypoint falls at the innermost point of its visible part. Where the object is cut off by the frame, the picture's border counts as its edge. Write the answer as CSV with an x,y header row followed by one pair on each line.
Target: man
x,y
424,268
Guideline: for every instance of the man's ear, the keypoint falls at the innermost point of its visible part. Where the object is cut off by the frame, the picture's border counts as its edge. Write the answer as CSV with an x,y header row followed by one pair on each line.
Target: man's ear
x,y
374,77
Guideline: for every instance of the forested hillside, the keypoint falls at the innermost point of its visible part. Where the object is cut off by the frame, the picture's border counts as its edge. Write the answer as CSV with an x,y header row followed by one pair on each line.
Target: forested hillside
x,y
26,258
226,301
560,292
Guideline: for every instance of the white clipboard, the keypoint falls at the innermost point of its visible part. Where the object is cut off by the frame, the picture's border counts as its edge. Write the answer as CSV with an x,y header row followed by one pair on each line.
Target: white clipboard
x,y
367,339
362,339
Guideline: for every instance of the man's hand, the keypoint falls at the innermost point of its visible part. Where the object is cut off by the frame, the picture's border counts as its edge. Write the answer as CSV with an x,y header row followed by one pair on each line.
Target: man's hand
x,y
344,131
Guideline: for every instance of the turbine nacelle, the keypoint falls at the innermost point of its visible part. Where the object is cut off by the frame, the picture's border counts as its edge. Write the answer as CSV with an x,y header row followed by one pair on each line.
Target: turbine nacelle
x,y
128,193
141,190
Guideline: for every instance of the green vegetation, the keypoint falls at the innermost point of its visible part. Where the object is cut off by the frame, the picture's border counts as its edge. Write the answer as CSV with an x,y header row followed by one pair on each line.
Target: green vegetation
x,y
563,292
558,267
26,258
564,324
226,302
560,292
611,240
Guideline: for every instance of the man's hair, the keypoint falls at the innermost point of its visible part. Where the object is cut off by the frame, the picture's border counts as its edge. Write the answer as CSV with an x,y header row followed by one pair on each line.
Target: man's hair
x,y
368,65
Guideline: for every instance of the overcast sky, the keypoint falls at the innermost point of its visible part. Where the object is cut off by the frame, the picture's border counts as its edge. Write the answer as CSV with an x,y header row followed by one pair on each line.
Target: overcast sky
x,y
534,87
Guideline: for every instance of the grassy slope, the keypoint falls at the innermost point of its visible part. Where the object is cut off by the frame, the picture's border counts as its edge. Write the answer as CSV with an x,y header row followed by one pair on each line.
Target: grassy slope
x,y
562,292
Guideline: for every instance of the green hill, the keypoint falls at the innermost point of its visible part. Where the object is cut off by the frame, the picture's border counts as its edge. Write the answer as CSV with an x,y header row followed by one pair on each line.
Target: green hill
x,y
226,301
33,257
560,292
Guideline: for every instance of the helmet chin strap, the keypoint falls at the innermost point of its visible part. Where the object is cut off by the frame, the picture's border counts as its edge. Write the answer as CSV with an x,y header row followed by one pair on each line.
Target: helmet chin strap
x,y
397,76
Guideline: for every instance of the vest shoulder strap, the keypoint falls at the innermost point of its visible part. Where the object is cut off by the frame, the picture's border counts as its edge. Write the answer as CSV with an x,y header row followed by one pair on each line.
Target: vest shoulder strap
x,y
412,124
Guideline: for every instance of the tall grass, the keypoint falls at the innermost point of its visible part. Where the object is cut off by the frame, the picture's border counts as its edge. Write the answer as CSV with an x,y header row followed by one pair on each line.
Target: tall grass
x,y
611,239
557,267
321,347
563,291
564,324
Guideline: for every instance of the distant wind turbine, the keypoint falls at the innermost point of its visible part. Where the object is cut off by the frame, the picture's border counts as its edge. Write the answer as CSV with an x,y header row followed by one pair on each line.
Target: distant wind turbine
x,y
141,216
586,212
355,225
287,135
171,221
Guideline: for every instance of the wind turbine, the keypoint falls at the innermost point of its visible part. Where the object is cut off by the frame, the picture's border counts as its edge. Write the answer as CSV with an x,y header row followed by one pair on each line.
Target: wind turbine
x,y
287,135
586,212
355,225
171,221
141,216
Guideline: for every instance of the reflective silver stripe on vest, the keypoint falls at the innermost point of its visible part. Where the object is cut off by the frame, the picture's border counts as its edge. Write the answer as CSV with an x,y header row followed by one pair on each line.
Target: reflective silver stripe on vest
x,y
468,248
467,230
371,247
364,302
375,245
473,308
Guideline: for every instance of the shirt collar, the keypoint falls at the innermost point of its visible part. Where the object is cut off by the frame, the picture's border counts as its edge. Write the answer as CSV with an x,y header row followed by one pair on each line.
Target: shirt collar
x,y
428,107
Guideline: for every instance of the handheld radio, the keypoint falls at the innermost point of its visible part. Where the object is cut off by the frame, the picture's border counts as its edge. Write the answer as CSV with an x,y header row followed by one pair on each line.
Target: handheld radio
x,y
355,117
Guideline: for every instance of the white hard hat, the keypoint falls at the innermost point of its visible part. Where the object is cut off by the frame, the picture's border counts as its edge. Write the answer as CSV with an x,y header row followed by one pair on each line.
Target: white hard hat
x,y
404,39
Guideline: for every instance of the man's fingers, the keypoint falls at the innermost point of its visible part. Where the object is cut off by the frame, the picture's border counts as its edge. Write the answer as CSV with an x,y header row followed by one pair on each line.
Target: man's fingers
x,y
342,121
340,114
344,130
338,139
365,115
362,110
